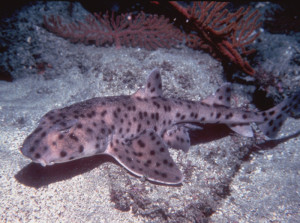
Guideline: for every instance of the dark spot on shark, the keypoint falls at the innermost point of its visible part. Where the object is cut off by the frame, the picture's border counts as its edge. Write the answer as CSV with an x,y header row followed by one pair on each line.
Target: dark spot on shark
x,y
63,153
115,114
164,175
37,130
156,104
284,108
103,113
91,114
295,106
37,156
139,154
153,115
204,104
89,130
43,134
228,116
140,115
74,137
81,148
141,143
270,123
139,128
51,118
32,148
120,130
156,116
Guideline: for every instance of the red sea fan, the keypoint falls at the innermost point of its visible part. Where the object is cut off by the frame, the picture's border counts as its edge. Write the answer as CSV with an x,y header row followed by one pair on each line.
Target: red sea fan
x,y
148,31
223,34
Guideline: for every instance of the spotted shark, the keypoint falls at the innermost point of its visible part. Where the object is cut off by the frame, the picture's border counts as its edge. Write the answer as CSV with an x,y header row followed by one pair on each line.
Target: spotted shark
x,y
137,130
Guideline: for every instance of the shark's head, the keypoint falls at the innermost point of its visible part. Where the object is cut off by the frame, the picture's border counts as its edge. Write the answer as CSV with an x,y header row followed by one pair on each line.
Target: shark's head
x,y
59,138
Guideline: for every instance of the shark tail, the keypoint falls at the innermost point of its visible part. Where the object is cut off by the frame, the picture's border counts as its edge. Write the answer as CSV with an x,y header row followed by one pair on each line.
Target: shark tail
x,y
275,117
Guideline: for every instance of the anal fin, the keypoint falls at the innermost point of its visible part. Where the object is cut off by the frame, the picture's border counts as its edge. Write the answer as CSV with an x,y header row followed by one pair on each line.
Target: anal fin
x,y
242,129
146,155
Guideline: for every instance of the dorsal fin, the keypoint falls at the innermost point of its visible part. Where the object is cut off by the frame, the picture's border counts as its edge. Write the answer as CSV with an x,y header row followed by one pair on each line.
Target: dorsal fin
x,y
153,87
221,97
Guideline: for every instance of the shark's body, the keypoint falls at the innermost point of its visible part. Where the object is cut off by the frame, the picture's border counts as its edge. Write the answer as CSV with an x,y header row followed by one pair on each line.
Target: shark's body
x,y
137,130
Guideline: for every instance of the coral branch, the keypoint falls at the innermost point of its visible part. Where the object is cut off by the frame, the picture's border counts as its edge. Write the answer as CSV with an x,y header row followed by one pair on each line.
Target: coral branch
x,y
148,31
223,34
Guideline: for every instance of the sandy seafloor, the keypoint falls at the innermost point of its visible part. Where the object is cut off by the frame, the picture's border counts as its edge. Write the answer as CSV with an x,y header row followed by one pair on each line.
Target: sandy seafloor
x,y
228,178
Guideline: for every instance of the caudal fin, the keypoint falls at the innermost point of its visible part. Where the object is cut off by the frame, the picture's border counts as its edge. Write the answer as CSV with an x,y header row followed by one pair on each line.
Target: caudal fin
x,y
275,117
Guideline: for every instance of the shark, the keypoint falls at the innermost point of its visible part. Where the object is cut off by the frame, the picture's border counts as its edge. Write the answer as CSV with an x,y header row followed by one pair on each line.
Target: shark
x,y
137,130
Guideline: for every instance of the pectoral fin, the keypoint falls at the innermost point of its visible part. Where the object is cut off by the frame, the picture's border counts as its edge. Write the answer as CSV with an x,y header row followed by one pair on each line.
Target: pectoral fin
x,y
146,155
